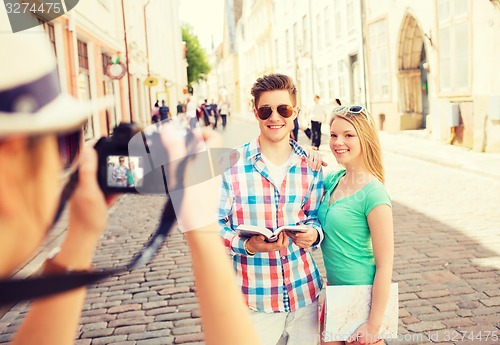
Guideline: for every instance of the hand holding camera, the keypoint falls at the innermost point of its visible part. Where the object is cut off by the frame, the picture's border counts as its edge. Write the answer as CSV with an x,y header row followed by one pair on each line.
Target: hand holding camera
x,y
169,160
196,202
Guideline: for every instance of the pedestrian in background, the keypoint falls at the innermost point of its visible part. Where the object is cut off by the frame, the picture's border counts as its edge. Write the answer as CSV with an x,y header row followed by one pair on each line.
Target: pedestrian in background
x,y
164,112
296,126
180,108
356,216
223,111
317,116
215,112
335,104
155,113
191,110
207,112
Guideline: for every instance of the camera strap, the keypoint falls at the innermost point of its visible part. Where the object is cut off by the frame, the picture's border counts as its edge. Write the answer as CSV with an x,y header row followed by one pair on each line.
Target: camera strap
x,y
17,290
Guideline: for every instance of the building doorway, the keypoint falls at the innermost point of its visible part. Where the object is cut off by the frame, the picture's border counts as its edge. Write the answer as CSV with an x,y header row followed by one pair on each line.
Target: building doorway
x,y
412,76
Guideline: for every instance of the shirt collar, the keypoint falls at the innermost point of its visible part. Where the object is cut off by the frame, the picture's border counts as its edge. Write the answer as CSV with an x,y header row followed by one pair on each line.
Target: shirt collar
x,y
254,152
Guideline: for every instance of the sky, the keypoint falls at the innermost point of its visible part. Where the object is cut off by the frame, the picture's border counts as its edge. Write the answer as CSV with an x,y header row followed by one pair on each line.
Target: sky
x,y
206,18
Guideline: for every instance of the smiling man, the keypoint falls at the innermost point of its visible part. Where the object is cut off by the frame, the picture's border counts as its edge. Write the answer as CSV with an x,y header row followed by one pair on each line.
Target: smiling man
x,y
271,186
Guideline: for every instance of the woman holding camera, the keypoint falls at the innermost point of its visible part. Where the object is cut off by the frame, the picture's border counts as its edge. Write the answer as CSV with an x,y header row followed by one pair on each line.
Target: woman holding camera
x,y
34,119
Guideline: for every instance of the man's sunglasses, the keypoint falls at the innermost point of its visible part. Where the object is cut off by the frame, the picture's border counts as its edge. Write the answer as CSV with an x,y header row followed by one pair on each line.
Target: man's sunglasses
x,y
351,109
284,110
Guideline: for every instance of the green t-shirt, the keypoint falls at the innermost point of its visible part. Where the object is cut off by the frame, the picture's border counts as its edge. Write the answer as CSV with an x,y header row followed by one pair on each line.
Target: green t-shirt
x,y
347,246
130,177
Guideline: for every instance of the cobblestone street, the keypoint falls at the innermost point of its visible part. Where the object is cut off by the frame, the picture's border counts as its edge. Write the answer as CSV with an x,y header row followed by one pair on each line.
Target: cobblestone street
x,y
447,261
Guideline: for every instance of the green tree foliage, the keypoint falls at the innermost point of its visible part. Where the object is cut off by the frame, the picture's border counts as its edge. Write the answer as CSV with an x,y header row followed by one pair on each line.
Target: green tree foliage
x,y
198,66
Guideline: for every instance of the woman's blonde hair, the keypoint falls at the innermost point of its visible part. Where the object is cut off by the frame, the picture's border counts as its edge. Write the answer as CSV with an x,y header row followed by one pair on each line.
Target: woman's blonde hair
x,y
370,145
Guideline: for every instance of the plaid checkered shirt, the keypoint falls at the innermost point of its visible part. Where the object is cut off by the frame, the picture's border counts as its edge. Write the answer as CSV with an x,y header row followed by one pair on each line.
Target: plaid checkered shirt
x,y
280,281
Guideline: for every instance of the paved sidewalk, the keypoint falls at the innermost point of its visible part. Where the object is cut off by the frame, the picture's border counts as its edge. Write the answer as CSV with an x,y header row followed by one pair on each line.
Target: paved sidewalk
x,y
410,144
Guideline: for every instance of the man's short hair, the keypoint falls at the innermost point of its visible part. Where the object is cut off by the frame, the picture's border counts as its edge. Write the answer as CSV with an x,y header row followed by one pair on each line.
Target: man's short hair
x,y
273,82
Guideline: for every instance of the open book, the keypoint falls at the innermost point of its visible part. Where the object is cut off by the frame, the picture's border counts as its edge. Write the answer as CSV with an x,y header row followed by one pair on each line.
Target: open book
x,y
252,230
348,307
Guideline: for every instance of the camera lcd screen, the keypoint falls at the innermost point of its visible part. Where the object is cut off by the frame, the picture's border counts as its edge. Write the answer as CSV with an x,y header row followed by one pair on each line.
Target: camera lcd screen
x,y
125,171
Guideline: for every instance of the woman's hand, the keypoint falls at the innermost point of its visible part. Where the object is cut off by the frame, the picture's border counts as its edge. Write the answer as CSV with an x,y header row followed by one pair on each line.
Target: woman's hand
x,y
366,334
87,215
195,205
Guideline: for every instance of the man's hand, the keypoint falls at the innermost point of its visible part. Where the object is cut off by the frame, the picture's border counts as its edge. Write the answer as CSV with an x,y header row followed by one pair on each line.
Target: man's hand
x,y
304,239
315,161
258,243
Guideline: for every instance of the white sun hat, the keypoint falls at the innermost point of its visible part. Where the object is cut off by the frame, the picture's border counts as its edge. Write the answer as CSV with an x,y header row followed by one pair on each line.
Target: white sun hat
x,y
31,101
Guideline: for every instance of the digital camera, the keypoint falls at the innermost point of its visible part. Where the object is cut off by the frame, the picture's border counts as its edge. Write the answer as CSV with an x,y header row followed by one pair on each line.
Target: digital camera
x,y
128,161
134,160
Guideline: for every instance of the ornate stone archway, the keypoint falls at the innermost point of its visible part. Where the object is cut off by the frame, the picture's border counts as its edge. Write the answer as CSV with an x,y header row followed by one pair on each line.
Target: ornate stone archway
x,y
409,73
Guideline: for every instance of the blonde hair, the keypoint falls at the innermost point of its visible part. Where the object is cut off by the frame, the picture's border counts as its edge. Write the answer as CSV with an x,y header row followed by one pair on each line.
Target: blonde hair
x,y
371,151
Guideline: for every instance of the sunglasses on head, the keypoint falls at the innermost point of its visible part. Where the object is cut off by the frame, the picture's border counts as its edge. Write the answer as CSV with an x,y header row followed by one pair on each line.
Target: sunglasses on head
x,y
351,109
284,110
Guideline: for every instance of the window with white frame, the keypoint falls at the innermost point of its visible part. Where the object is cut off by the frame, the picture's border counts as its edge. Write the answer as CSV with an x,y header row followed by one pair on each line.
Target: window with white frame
x,y
454,45
288,48
276,52
328,27
297,45
341,79
319,33
331,81
321,81
350,17
83,81
379,60
338,18
305,33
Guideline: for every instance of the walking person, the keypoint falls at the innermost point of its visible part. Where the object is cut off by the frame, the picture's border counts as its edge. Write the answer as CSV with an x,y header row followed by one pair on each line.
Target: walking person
x,y
191,113
164,112
155,113
215,112
223,111
207,112
180,108
296,126
356,216
271,186
318,116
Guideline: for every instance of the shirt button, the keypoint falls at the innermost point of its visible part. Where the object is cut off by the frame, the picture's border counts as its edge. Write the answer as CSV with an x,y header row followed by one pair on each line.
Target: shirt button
x,y
283,257
286,280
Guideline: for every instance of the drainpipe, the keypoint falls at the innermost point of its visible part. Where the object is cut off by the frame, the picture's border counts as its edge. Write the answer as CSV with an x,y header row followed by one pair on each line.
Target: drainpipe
x,y
147,51
127,64
313,68
363,49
